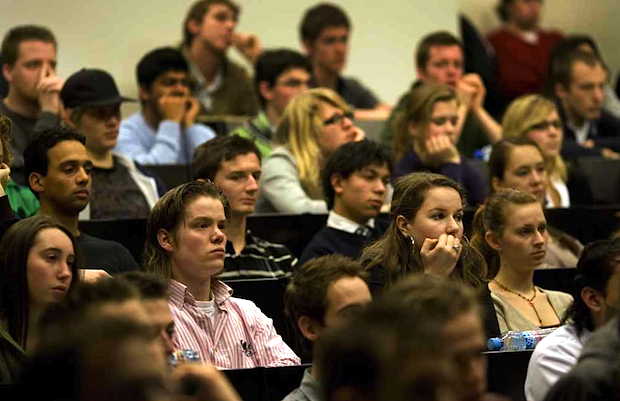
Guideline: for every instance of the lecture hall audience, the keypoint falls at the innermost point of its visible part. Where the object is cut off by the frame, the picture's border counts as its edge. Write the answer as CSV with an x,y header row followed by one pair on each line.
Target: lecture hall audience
x,y
73,327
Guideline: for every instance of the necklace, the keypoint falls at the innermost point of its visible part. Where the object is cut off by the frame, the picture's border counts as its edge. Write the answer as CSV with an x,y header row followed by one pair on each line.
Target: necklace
x,y
530,301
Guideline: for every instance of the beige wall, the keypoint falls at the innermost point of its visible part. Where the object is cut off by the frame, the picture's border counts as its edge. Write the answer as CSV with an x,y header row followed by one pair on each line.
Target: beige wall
x,y
114,34
596,18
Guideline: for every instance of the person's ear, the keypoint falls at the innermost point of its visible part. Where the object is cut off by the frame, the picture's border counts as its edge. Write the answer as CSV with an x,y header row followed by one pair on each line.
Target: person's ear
x,y
309,327
265,90
65,114
561,91
36,182
413,130
336,182
308,46
403,226
592,298
421,74
493,241
193,26
144,93
165,240
6,72
496,184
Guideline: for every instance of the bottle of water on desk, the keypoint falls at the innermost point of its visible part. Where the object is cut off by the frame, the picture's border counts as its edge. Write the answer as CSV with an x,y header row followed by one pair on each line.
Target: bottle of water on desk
x,y
518,340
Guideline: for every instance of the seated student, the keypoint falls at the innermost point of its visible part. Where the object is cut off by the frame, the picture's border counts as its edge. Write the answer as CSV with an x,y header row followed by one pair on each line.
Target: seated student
x,y
611,103
22,200
324,32
279,75
222,86
426,140
40,260
58,169
355,181
596,295
93,107
185,245
425,235
439,60
234,164
114,357
519,163
313,126
536,117
511,230
164,131
384,353
588,129
321,294
154,299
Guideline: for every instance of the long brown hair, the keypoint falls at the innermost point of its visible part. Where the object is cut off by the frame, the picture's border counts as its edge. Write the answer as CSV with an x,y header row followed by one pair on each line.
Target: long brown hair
x,y
397,255
14,292
492,218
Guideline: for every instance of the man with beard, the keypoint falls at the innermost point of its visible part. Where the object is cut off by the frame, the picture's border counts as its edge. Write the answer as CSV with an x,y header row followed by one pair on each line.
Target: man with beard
x,y
163,132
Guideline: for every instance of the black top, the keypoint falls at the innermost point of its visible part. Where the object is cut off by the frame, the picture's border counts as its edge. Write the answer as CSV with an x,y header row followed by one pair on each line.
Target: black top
x,y
605,132
110,256
330,240
353,92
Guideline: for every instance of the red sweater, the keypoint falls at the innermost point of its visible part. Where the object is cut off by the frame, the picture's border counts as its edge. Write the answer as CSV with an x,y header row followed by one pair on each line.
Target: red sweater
x,y
522,66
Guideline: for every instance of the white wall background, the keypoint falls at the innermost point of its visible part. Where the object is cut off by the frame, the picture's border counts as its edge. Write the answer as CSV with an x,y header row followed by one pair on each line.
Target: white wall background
x,y
597,18
114,34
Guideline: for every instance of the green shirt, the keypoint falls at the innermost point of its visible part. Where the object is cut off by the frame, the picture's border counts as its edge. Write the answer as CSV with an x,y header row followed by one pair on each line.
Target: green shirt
x,y
23,202
258,130
472,136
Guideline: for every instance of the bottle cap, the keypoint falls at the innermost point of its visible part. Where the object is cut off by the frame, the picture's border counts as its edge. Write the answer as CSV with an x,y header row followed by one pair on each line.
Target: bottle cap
x,y
494,344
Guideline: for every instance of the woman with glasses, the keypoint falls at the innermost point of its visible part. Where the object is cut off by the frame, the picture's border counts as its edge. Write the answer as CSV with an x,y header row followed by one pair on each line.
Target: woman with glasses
x,y
313,126
426,137
425,236
512,229
537,118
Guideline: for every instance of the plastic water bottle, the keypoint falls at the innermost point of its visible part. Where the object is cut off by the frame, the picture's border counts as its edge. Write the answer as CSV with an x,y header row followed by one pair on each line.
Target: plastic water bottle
x,y
518,340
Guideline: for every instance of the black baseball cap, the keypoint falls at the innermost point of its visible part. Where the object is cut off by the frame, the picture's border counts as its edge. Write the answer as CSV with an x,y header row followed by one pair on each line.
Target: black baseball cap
x,y
91,87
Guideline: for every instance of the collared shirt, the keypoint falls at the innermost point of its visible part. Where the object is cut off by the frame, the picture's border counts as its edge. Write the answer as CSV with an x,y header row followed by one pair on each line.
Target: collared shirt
x,y
309,390
203,91
334,220
555,356
581,133
259,259
239,337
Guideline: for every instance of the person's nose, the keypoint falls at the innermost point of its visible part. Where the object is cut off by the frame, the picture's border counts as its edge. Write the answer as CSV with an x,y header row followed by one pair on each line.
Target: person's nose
x,y
252,184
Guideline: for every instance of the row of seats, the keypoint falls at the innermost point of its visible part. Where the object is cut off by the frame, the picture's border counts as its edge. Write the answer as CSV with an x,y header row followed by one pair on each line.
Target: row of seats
x,y
295,231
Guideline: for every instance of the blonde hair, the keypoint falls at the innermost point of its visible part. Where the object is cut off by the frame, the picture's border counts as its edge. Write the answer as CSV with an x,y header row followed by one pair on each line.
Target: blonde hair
x,y
419,112
300,129
525,112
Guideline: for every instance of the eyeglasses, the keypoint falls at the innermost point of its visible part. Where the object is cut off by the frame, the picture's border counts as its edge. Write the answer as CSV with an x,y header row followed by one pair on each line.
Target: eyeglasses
x,y
338,118
544,125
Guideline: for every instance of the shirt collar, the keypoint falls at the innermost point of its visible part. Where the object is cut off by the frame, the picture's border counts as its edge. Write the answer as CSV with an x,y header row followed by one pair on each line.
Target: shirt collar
x,y
310,386
334,220
581,133
180,294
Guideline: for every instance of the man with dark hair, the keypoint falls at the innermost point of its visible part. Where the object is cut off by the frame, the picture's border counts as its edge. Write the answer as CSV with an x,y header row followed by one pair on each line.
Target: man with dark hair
x,y
29,66
439,60
279,75
324,32
164,131
578,80
522,49
596,294
234,164
396,350
222,86
355,182
59,173
185,245
320,295
121,189
154,298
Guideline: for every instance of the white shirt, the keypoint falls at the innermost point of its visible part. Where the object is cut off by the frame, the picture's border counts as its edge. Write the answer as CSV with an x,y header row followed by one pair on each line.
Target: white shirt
x,y
562,189
581,133
338,222
552,358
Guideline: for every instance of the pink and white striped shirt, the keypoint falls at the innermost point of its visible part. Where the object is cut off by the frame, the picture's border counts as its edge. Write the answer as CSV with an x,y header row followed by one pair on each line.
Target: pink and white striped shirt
x,y
239,336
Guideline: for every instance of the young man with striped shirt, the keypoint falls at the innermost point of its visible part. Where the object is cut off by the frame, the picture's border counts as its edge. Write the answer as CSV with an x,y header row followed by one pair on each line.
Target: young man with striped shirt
x,y
186,245
234,164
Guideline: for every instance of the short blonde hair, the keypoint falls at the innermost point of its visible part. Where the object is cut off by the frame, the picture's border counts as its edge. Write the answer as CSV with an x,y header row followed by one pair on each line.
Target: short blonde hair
x,y
525,112
299,130
418,112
